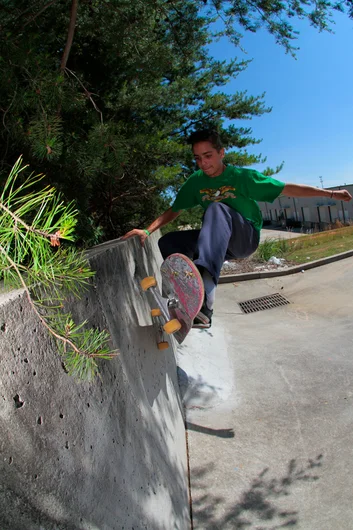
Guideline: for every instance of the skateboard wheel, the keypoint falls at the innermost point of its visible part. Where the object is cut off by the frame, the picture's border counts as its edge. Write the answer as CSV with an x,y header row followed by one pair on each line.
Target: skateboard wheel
x,y
172,326
163,345
148,282
156,313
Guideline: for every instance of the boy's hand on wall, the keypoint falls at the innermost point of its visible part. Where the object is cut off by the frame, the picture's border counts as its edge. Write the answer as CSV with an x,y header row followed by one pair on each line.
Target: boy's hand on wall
x,y
135,232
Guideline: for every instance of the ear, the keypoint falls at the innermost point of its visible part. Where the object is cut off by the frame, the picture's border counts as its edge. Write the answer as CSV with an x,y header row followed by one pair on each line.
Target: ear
x,y
222,152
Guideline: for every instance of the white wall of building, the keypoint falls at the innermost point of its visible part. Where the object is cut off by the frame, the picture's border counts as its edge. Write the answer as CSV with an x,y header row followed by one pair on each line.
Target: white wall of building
x,y
309,211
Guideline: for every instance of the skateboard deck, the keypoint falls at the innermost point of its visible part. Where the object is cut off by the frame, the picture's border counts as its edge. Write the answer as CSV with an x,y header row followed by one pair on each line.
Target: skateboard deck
x,y
182,281
181,298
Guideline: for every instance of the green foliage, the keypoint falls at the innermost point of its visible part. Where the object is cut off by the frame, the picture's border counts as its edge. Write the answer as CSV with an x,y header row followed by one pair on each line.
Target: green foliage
x,y
187,220
271,247
276,17
91,345
33,222
45,138
269,171
109,129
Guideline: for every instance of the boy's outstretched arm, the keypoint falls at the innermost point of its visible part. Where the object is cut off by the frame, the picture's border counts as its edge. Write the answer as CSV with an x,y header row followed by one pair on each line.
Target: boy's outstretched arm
x,y
167,217
301,190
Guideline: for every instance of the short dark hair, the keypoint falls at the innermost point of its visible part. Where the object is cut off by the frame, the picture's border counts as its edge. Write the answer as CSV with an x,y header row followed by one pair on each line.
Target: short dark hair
x,y
206,135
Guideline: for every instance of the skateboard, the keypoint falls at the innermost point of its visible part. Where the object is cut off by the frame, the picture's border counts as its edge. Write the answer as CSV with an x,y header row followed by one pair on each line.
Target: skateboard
x,y
181,298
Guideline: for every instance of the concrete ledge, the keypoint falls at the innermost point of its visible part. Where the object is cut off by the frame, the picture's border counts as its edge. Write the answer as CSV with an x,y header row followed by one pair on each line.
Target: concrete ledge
x,y
110,454
284,272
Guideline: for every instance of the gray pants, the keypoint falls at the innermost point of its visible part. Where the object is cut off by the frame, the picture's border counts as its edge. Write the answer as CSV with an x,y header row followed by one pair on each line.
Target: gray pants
x,y
225,234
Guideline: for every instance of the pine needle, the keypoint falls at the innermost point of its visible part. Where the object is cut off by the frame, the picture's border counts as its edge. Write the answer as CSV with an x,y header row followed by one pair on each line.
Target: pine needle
x,y
33,226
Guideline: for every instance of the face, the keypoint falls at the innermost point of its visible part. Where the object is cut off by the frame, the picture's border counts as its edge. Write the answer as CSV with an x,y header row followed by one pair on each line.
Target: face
x,y
208,158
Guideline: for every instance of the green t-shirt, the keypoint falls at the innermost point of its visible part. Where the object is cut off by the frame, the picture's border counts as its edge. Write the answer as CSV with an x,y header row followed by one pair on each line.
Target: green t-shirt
x,y
240,188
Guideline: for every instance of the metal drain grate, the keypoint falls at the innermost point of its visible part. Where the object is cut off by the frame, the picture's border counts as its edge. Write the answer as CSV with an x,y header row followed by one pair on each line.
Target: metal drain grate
x,y
265,302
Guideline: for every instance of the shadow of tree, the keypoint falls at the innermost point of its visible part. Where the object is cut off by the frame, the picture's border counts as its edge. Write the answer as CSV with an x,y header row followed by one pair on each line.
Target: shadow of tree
x,y
258,507
196,392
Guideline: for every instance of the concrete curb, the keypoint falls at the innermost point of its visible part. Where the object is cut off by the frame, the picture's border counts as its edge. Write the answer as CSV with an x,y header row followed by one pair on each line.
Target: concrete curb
x,y
284,272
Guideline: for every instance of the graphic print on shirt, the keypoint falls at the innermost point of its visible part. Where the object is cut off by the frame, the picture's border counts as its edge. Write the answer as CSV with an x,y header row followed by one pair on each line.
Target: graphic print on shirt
x,y
217,195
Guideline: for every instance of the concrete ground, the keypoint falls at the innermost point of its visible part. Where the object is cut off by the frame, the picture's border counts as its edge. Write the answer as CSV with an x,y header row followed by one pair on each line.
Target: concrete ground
x,y
269,404
269,233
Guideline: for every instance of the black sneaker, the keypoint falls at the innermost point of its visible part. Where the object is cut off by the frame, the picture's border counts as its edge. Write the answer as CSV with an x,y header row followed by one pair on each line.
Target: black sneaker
x,y
203,319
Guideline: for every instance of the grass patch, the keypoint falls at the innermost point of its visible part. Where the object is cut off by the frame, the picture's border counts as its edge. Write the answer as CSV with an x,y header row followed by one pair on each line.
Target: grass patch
x,y
307,248
271,247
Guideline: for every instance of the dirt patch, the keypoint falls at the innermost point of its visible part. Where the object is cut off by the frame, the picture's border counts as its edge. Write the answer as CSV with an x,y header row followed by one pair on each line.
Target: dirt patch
x,y
241,266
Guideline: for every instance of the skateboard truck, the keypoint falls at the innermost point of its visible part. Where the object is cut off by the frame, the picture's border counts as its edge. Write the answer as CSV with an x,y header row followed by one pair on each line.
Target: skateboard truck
x,y
170,326
173,302
179,300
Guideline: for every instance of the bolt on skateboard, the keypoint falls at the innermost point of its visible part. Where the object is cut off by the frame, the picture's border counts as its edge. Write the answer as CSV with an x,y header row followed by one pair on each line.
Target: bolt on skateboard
x,y
181,299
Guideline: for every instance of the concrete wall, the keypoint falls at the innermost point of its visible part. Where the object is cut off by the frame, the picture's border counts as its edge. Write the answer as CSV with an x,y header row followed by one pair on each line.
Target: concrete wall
x,y
104,455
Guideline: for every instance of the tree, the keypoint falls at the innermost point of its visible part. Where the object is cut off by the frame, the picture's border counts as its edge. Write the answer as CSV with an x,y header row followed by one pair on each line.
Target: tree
x,y
273,15
100,95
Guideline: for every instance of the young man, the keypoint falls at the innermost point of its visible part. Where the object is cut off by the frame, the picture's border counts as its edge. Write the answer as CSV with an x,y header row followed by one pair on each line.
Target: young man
x,y
232,220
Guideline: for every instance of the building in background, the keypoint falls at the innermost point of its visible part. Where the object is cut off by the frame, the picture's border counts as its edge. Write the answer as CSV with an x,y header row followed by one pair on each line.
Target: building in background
x,y
314,213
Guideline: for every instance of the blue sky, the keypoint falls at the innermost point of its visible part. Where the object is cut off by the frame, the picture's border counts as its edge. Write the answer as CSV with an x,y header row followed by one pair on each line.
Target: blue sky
x,y
311,124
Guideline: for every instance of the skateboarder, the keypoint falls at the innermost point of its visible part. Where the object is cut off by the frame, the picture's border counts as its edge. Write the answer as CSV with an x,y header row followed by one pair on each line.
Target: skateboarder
x,y
232,219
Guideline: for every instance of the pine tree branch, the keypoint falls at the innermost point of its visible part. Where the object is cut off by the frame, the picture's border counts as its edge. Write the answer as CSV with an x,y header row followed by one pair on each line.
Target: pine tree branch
x,y
87,92
54,238
33,83
7,110
38,14
61,338
219,14
56,335
190,124
164,12
70,36
145,192
122,12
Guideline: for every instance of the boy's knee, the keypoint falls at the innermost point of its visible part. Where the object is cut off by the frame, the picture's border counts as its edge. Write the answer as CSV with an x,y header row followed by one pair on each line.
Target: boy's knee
x,y
217,209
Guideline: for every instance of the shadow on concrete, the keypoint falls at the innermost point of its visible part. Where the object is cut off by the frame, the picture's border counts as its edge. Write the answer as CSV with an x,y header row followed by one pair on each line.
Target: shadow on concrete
x,y
207,332
220,433
196,392
103,478
258,507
